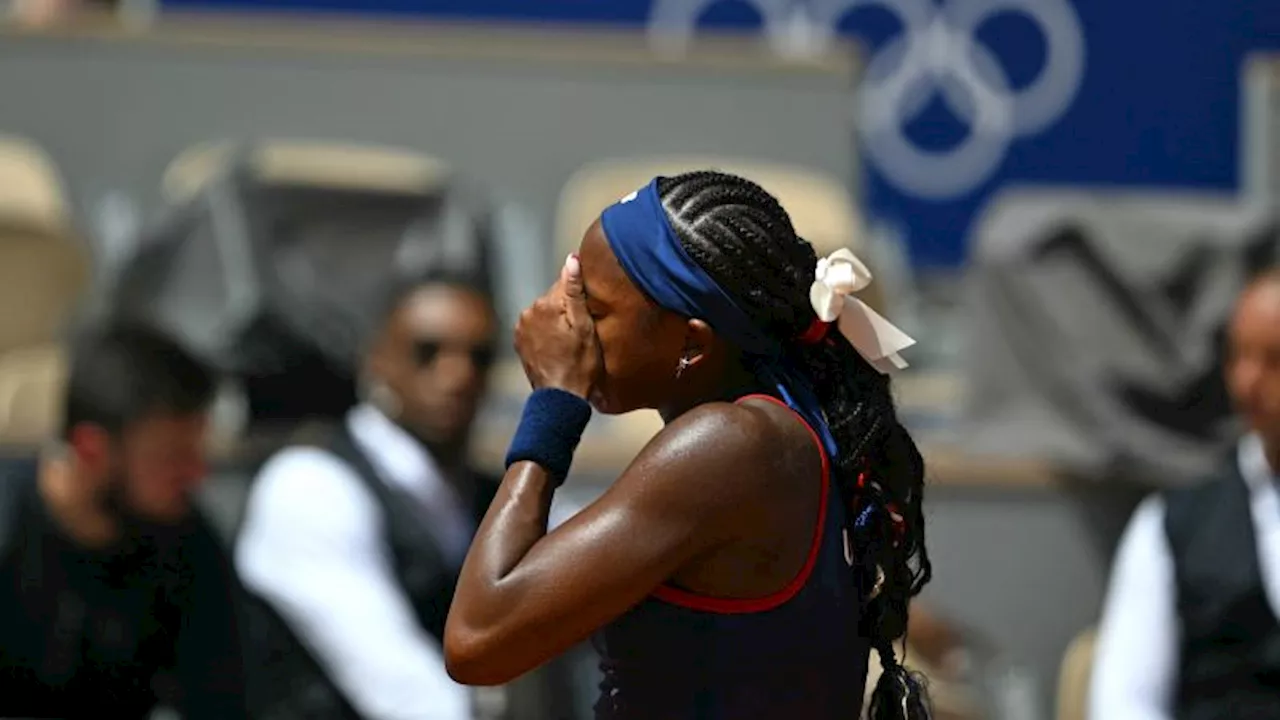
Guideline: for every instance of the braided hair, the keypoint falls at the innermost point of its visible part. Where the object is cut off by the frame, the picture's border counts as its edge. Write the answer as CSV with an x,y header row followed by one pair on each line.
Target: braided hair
x,y
741,236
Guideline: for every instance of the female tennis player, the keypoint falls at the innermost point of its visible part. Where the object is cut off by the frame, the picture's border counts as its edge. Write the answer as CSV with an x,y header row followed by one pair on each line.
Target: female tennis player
x,y
770,536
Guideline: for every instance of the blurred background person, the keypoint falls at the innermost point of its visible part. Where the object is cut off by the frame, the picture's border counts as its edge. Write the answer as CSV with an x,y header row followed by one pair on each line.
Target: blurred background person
x,y
354,543
115,595
1190,628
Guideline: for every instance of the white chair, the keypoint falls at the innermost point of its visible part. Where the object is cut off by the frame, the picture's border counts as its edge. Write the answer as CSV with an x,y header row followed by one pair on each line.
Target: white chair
x,y
1073,677
32,383
31,193
43,267
333,165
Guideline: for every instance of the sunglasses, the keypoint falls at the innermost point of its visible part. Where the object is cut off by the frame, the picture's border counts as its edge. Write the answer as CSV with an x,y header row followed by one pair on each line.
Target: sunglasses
x,y
425,352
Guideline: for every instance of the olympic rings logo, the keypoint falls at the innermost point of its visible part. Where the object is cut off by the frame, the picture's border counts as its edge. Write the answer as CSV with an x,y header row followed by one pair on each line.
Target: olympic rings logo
x,y
937,54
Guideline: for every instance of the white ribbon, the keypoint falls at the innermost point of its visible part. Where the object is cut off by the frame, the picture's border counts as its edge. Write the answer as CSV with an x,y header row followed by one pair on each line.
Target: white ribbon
x,y
879,341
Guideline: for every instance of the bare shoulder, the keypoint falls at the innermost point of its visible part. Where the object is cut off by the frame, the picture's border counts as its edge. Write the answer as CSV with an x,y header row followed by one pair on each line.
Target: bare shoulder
x,y
719,442
720,431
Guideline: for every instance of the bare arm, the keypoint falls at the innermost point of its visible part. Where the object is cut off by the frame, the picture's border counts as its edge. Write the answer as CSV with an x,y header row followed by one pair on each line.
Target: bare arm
x,y
526,596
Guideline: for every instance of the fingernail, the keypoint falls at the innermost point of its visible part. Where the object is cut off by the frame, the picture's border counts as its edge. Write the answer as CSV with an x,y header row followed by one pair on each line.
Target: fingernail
x,y
572,264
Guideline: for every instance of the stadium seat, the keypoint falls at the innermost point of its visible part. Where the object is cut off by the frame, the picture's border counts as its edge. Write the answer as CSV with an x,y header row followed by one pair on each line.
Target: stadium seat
x,y
293,162
30,189
31,381
1073,678
302,162
43,267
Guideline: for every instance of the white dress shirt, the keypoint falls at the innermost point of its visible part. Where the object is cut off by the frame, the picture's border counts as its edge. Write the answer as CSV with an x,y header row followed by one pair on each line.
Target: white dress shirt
x,y
312,545
1136,662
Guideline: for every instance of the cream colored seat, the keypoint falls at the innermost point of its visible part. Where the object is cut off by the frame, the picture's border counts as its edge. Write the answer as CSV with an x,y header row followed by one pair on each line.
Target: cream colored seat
x,y
1074,676
332,165
43,267
296,162
30,189
32,383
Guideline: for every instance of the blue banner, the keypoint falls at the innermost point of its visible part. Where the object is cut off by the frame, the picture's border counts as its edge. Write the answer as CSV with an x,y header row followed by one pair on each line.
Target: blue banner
x,y
964,96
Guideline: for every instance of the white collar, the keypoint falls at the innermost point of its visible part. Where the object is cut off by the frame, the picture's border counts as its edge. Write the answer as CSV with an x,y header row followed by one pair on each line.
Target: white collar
x,y
404,461
399,457
1252,458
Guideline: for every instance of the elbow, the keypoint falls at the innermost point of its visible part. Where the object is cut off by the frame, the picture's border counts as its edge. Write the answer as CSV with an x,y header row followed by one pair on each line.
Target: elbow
x,y
472,657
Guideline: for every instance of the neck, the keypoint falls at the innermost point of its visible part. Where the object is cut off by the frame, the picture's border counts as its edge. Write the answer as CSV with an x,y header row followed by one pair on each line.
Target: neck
x,y
725,382
451,457
77,513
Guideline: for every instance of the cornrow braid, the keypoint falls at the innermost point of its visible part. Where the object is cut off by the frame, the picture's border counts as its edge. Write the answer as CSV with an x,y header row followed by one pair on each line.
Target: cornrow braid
x,y
743,238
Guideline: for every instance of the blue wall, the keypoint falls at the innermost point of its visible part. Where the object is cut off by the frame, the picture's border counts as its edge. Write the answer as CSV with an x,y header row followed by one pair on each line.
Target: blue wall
x,y
1156,102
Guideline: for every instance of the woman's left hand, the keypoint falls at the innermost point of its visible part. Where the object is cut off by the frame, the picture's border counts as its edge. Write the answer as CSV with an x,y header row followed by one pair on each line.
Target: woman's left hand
x,y
556,339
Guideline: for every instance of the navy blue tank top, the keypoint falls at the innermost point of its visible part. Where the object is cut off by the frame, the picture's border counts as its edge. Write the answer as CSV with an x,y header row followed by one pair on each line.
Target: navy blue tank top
x,y
794,654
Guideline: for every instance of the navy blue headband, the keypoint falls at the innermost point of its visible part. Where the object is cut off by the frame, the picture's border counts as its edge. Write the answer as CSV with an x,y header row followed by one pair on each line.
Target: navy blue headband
x,y
648,249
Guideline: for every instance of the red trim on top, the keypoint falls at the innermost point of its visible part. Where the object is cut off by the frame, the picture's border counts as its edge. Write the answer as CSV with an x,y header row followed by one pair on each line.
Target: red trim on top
x,y
738,606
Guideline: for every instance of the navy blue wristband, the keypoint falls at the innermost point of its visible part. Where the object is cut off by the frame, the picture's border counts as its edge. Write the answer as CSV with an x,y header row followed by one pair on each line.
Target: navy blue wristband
x,y
550,428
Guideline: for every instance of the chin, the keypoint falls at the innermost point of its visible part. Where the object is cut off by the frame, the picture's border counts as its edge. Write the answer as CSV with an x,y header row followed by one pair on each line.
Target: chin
x,y
437,434
172,517
600,402
607,404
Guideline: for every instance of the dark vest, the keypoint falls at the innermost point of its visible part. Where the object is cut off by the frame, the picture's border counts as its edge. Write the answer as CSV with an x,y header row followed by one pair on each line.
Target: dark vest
x,y
292,684
1230,644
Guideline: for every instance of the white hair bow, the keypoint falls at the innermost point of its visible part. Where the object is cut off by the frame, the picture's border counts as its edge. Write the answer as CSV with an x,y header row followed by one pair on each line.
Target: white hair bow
x,y
837,277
